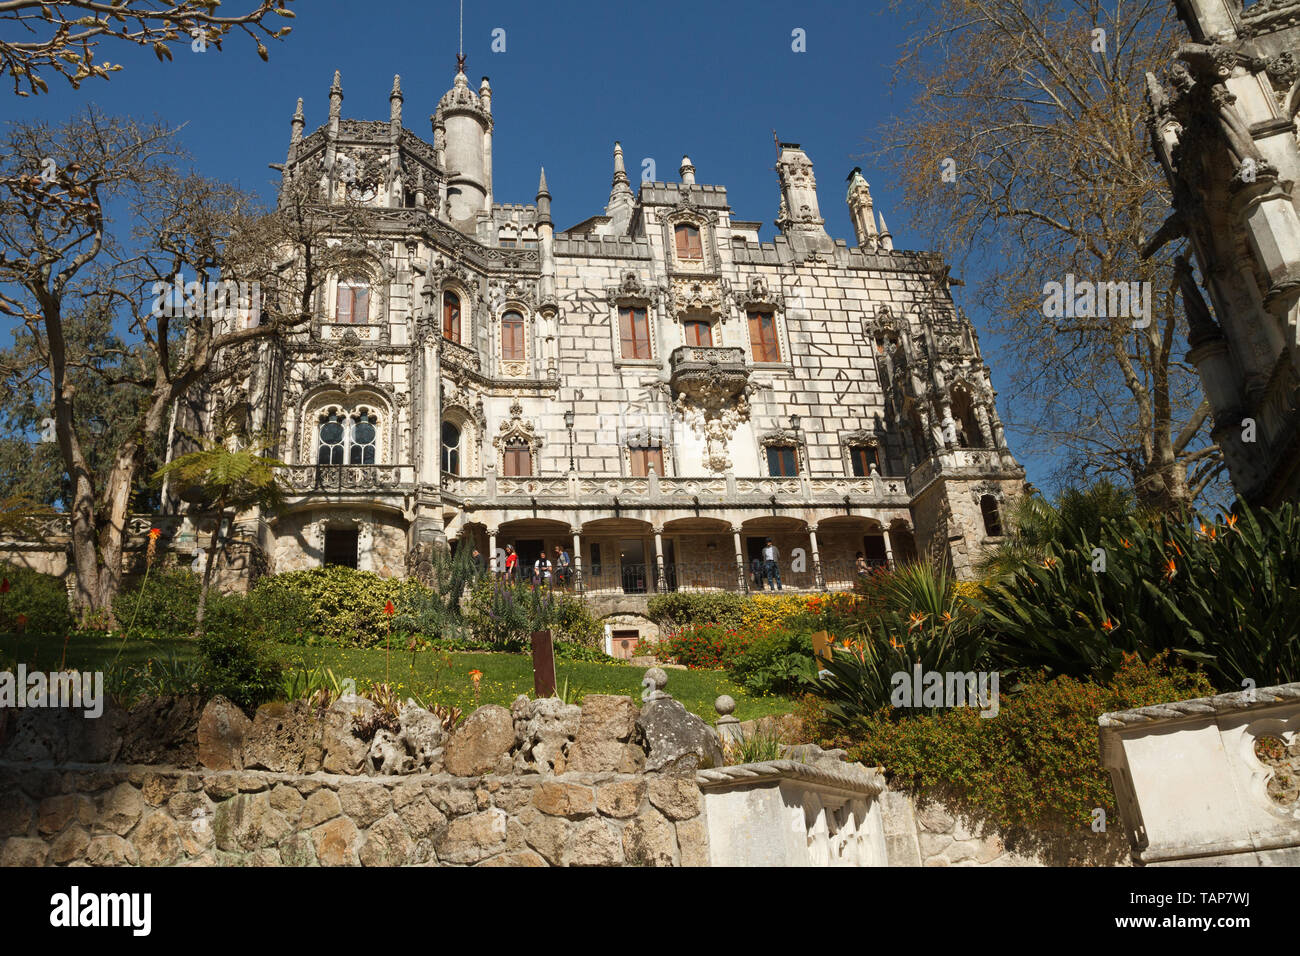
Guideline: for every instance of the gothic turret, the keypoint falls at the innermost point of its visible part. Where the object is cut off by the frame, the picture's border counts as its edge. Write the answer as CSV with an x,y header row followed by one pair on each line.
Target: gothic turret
x,y
468,150
621,200
800,219
860,211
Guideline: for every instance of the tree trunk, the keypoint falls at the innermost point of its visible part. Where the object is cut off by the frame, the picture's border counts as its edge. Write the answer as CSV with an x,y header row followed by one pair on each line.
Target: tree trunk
x,y
213,546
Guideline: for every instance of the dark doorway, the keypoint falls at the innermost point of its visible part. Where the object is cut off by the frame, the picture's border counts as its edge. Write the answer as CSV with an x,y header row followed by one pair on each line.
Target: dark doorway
x,y
529,550
341,546
873,548
632,565
670,565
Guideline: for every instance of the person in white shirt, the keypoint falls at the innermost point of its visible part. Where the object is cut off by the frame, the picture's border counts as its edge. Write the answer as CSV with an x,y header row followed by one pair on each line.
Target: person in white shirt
x,y
770,567
542,571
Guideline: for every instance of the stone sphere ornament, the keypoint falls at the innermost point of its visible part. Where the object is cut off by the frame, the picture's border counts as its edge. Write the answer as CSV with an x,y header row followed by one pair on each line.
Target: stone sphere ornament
x,y
724,705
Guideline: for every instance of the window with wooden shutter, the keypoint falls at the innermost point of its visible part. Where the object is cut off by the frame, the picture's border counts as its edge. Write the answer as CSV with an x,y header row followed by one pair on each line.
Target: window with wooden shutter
x,y
862,458
353,305
451,317
517,459
689,245
634,332
643,459
762,337
698,332
512,337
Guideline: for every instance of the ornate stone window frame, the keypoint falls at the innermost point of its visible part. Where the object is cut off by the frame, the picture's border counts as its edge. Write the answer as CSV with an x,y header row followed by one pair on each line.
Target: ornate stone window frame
x,y
686,213
514,368
784,437
380,279
517,428
633,292
358,521
758,296
377,400
860,438
462,418
646,438
458,289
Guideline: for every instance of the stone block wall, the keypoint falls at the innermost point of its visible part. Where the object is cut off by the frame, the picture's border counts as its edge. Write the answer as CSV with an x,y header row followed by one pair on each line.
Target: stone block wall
x,y
85,815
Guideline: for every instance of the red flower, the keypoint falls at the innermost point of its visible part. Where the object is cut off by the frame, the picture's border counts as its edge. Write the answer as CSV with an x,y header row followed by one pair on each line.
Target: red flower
x,y
389,609
154,533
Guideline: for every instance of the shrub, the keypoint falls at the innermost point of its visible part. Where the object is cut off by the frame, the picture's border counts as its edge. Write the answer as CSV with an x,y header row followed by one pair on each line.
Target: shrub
x,y
1036,764
273,616
776,661
35,603
342,605
703,645
239,666
680,609
165,602
1225,595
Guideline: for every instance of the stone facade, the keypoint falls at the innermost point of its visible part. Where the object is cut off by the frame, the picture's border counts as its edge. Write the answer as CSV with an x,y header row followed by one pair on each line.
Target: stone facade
x,y
653,388
1223,127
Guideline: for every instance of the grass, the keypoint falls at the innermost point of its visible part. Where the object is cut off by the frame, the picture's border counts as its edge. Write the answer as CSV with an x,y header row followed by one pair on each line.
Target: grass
x,y
437,677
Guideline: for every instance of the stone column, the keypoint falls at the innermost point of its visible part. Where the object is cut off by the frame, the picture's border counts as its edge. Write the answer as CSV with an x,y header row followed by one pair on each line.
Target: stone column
x,y
492,550
889,550
577,560
741,578
661,582
818,580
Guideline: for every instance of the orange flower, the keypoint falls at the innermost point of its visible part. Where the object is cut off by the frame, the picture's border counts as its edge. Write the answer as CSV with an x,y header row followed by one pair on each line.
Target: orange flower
x,y
476,675
1049,562
154,533
893,642
1106,625
1170,570
1174,545
916,619
1231,521
1124,541
389,609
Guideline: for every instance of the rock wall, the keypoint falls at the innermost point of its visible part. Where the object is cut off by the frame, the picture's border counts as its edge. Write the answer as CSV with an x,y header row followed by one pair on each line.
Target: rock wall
x,y
155,816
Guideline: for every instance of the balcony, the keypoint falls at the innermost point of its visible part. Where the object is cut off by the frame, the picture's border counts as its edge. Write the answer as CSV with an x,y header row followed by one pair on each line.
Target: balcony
x,y
316,479
693,369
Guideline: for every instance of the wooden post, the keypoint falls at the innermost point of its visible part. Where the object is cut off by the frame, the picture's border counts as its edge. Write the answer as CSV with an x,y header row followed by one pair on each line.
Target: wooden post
x,y
543,664
821,646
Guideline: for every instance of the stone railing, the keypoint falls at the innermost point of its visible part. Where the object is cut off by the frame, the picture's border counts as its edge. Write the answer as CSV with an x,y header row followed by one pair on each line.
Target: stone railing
x,y
715,367
682,491
309,479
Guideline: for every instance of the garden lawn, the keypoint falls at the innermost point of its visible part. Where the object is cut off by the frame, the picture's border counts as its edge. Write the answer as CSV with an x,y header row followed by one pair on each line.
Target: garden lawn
x,y
437,677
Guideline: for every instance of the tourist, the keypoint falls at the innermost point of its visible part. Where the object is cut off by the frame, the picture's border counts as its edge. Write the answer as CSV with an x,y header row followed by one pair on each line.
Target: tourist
x,y
770,568
542,571
861,565
512,562
480,566
563,568
756,569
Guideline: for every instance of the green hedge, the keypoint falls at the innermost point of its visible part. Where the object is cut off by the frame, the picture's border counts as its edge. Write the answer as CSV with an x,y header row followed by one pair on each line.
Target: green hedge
x,y
341,605
164,602
681,609
33,603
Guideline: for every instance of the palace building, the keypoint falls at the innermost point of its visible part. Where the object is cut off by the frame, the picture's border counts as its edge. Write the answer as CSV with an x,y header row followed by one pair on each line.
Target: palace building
x,y
653,388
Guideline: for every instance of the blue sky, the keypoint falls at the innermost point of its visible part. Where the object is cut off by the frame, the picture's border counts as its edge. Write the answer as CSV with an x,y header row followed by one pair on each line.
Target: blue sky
x,y
708,79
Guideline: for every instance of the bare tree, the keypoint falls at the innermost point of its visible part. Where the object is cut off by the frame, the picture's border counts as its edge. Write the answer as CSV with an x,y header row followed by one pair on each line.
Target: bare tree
x,y
1025,141
184,237
61,36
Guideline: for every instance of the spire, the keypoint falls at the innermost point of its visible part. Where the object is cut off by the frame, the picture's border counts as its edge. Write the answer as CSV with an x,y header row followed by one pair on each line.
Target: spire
x,y
860,211
336,95
543,200
395,102
886,239
297,123
620,192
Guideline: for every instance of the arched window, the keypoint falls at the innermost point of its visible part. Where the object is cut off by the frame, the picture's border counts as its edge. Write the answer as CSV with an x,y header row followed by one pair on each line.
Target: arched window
x,y
865,460
699,332
963,412
517,459
992,519
508,239
347,437
688,242
353,306
451,317
512,337
450,448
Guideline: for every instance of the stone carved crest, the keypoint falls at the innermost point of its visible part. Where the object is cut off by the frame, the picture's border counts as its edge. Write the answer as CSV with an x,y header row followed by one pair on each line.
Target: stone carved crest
x,y
517,428
697,295
758,294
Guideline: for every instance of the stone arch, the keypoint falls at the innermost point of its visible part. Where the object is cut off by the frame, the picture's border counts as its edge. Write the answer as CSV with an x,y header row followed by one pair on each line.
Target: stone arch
x,y
375,399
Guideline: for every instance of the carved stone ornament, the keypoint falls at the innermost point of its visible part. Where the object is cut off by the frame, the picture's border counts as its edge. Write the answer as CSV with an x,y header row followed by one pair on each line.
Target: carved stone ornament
x,y
758,294
697,295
